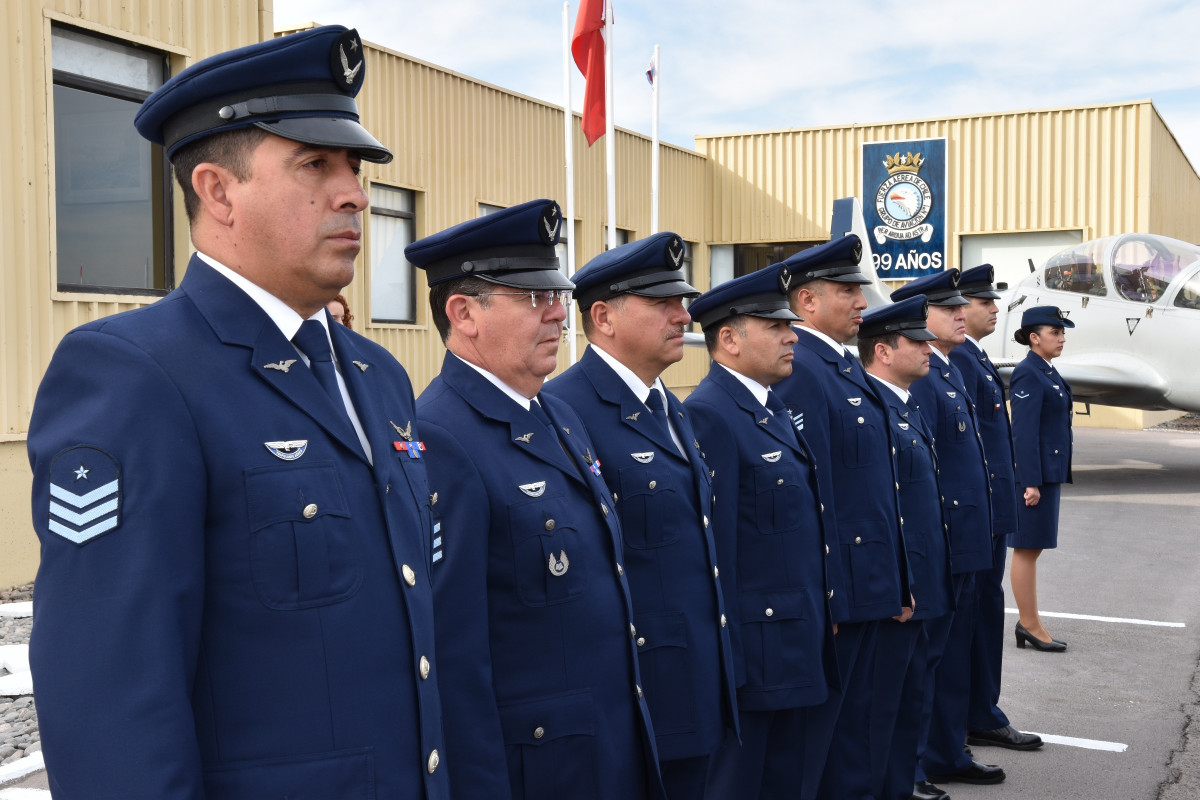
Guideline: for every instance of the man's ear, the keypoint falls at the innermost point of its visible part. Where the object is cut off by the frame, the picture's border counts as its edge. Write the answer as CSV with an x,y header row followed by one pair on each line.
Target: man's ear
x,y
462,314
602,318
212,184
729,340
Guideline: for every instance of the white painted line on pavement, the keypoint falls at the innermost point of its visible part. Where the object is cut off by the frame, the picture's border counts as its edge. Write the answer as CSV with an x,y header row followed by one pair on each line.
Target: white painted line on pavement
x,y
1090,617
1070,741
20,768
24,794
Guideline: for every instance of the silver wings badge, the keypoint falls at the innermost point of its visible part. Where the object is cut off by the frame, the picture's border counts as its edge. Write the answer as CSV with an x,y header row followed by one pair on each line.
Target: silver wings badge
x,y
282,366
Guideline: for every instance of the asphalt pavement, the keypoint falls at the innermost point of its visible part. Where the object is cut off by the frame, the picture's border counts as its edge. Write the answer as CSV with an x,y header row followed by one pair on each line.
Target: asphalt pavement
x,y
1125,697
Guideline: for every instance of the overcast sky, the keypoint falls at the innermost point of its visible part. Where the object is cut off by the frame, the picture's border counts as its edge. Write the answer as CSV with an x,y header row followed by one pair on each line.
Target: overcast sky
x,y
769,64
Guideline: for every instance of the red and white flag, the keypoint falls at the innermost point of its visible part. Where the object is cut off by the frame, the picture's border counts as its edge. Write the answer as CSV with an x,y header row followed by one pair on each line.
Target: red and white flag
x,y
587,47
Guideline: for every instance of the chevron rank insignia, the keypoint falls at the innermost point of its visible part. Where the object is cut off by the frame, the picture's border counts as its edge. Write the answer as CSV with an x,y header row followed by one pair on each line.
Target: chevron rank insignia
x,y
642,458
85,494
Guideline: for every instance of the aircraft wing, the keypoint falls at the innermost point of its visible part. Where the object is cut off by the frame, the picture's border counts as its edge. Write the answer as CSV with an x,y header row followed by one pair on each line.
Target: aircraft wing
x,y
1110,379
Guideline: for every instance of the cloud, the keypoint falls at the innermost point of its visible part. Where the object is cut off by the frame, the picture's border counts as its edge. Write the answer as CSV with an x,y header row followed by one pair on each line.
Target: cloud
x,y
770,64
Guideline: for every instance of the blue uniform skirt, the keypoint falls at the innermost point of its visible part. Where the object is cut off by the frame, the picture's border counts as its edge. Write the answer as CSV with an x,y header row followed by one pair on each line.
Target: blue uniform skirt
x,y
1037,526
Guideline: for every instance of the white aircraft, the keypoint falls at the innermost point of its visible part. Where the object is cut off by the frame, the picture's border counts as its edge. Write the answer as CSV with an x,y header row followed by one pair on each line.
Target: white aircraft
x,y
1135,302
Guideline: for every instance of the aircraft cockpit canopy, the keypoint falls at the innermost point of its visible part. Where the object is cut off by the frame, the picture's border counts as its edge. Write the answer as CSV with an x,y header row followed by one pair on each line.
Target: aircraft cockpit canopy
x,y
1142,268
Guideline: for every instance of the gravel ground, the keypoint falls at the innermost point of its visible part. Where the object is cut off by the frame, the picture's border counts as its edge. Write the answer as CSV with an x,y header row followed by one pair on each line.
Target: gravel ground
x,y
1188,422
18,718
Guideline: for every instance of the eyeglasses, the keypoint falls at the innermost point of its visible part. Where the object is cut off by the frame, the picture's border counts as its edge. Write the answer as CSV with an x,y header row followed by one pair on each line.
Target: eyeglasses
x,y
562,296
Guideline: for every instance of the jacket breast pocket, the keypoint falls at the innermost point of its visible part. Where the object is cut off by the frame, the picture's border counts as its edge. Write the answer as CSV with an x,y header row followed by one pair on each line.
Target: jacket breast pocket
x,y
548,552
913,464
647,499
779,497
955,422
859,433
303,551
551,746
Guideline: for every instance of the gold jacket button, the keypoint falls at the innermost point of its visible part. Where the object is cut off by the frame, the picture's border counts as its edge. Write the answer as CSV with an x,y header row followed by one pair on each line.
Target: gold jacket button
x,y
620,570
822,508
641,641
858,540
632,630
829,594
955,502
723,621
826,549
615,498
539,732
861,420
779,481
770,612
706,521
638,692
549,524
432,764
716,572
410,577
424,667
604,508
897,485
310,510
652,484
902,520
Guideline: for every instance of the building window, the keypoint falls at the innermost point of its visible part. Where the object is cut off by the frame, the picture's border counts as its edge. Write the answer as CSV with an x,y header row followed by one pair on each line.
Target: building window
x,y
720,264
488,208
623,237
112,187
393,226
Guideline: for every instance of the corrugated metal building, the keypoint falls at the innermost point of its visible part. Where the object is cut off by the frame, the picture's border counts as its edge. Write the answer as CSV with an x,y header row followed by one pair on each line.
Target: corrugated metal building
x,y
91,225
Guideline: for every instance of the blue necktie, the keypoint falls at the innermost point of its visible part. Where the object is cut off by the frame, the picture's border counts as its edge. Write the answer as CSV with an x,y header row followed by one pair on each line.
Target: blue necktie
x,y
313,341
655,403
776,407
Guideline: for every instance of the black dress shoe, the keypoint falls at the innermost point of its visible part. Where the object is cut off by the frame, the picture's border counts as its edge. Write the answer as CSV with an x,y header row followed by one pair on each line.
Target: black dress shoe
x,y
924,790
1024,636
1008,736
976,773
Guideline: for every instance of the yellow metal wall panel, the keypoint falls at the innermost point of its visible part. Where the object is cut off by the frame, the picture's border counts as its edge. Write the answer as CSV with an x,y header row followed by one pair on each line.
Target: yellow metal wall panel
x,y
1173,189
1083,167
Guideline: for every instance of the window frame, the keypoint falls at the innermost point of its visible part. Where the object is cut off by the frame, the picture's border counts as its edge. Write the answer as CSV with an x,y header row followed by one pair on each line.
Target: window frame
x,y
165,185
372,210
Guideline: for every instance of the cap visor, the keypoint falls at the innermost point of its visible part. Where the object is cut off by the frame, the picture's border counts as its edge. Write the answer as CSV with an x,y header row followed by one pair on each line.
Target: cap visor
x,y
985,293
533,279
668,289
957,300
851,277
336,132
917,334
781,313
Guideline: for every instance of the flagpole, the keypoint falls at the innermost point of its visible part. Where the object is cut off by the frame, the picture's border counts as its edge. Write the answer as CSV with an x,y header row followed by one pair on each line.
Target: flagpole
x,y
654,164
569,152
610,146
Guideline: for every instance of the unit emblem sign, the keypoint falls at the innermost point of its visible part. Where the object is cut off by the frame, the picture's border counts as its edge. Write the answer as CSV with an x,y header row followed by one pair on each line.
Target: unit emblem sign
x,y
904,191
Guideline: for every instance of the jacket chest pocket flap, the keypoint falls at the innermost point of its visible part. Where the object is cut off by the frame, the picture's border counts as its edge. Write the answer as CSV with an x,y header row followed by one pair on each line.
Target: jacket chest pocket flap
x,y
303,553
548,553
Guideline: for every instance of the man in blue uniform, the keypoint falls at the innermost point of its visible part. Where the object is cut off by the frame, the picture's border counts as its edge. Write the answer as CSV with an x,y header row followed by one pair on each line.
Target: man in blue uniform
x,y
535,624
950,415
769,524
893,345
633,316
234,597
986,723
844,421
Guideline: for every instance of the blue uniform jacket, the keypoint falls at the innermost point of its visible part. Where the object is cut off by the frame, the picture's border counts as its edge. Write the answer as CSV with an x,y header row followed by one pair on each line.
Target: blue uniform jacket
x,y
925,528
769,524
966,493
844,423
665,504
1041,422
253,625
540,676
986,389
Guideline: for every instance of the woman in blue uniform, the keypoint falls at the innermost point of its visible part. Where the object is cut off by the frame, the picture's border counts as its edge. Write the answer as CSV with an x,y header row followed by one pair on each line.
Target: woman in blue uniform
x,y
1041,429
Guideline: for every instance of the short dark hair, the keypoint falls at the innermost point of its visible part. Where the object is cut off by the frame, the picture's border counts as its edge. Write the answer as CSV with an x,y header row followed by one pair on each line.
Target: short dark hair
x,y
866,346
229,149
586,313
737,322
439,293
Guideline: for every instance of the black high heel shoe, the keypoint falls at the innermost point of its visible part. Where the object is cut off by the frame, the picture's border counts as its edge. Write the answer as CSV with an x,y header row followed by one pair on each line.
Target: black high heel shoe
x,y
1052,646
